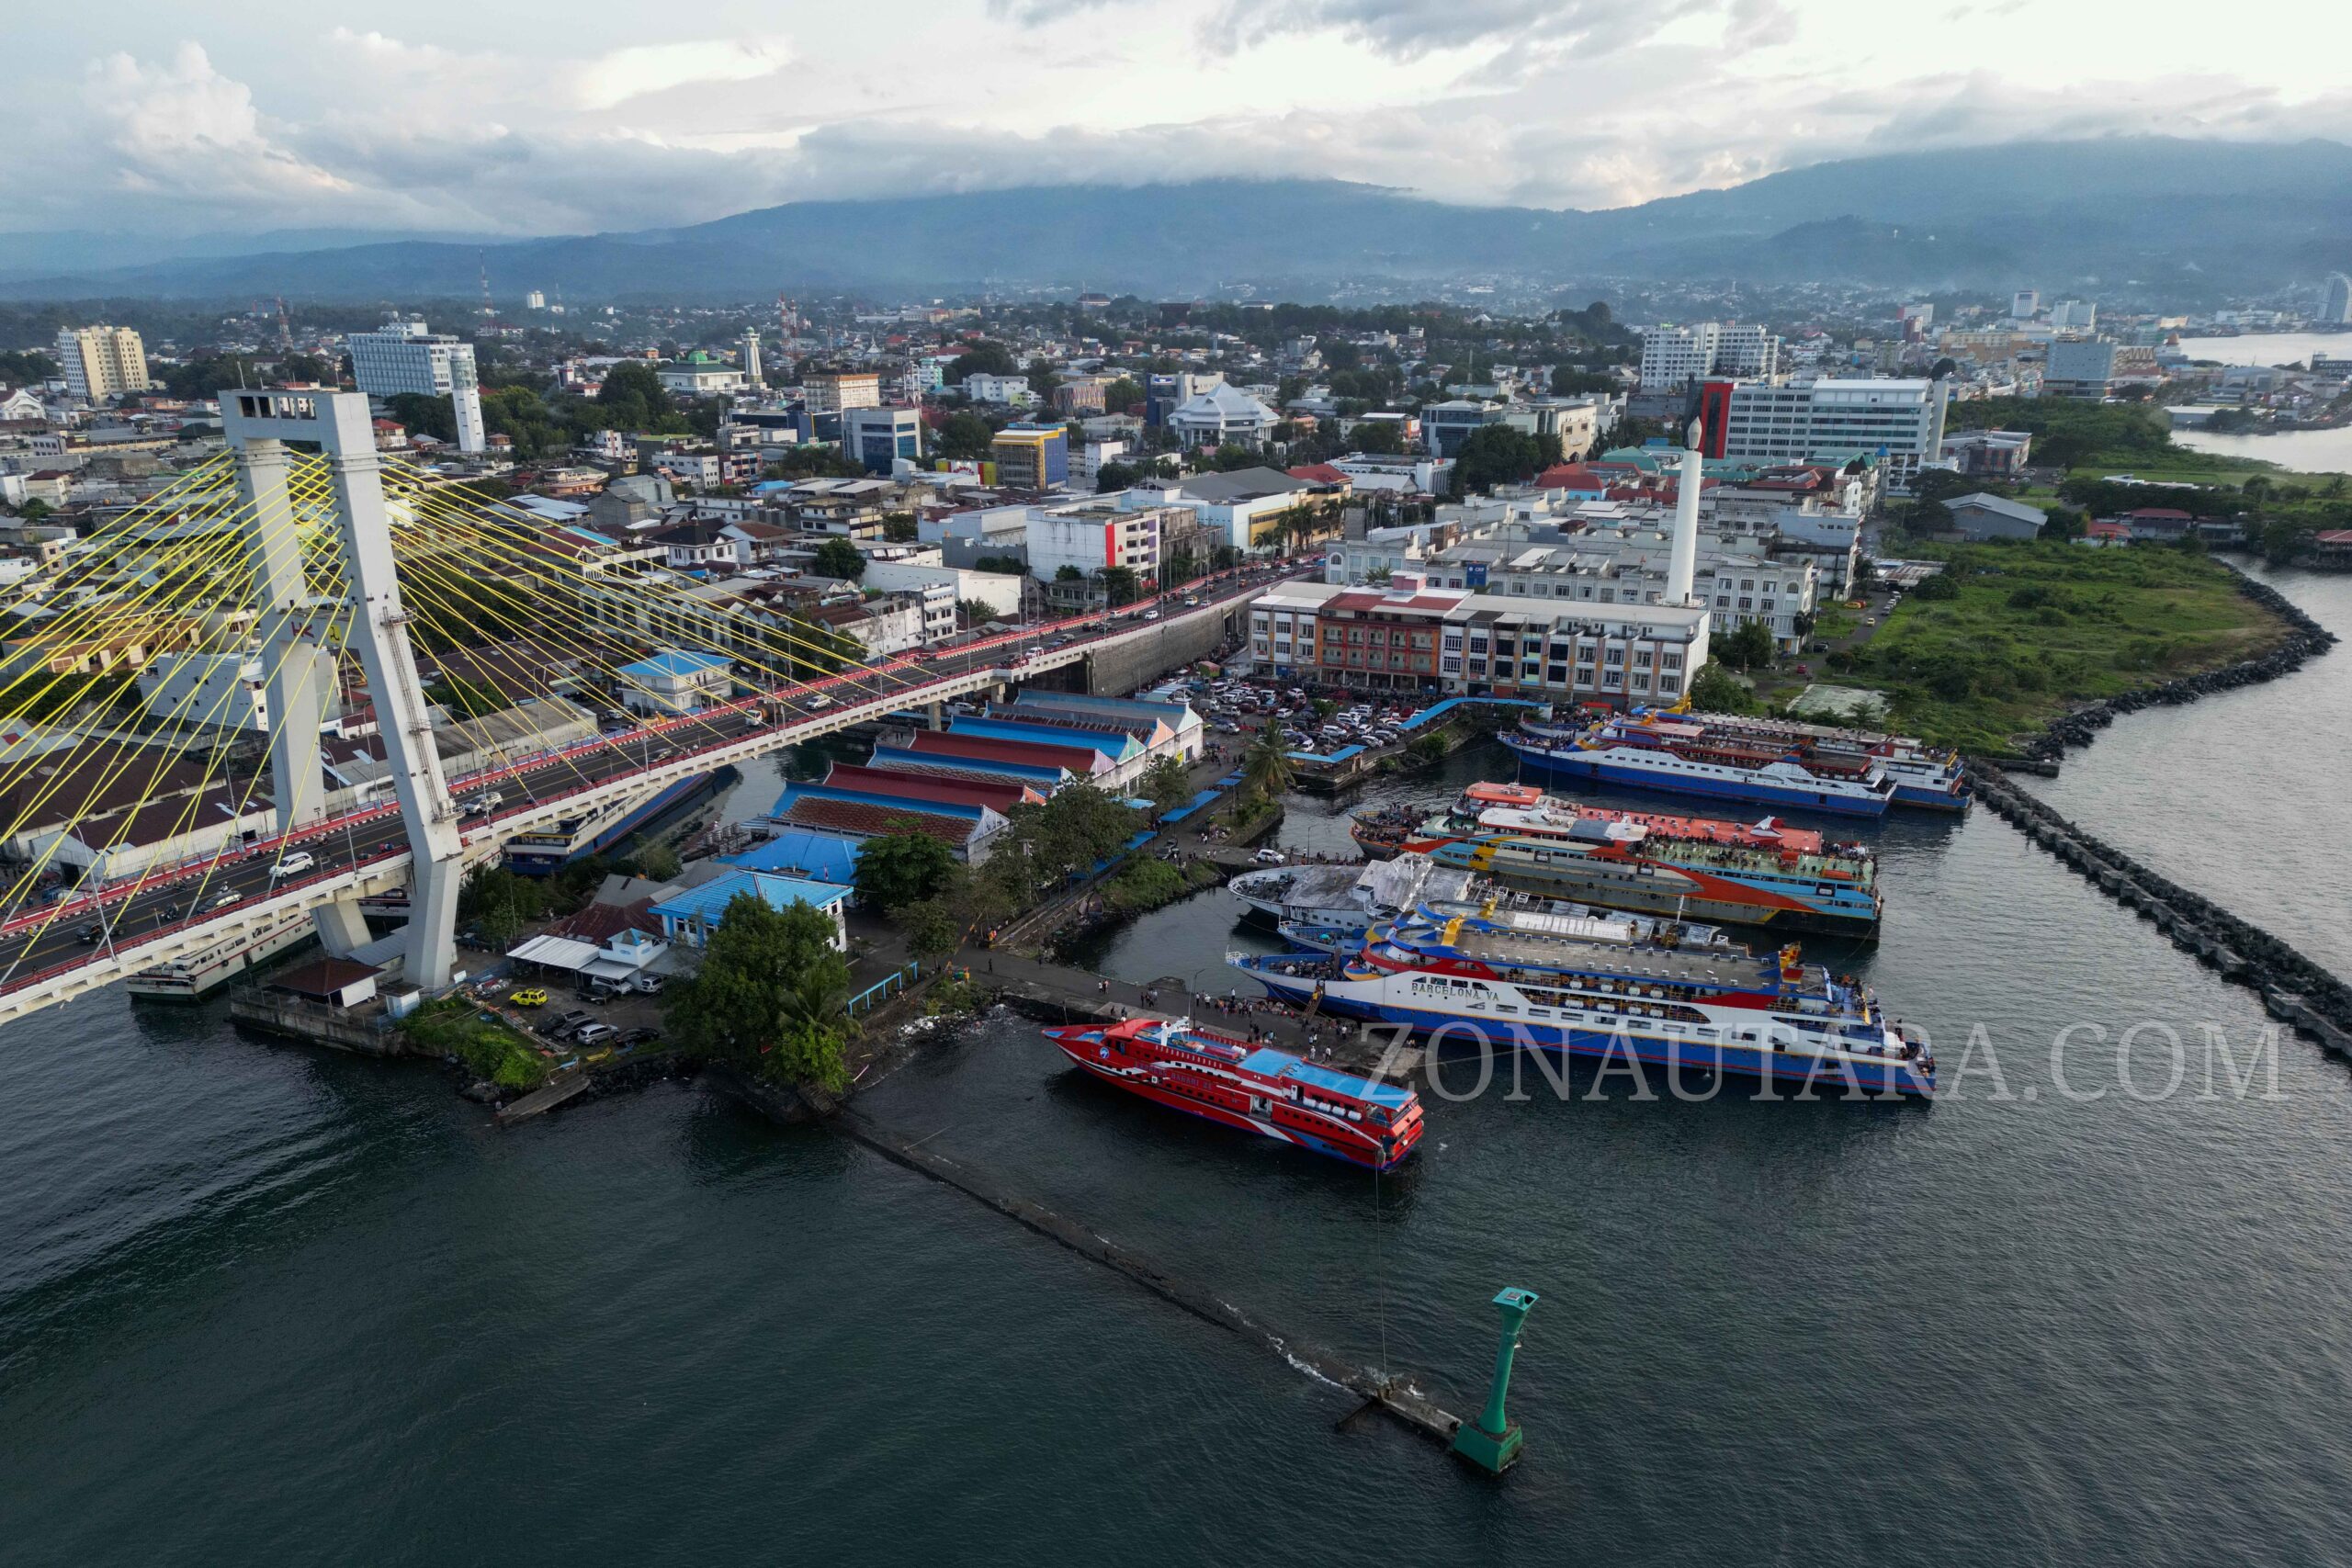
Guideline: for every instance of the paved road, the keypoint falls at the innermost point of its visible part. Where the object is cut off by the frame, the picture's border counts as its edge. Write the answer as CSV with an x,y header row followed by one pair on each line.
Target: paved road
x,y
137,907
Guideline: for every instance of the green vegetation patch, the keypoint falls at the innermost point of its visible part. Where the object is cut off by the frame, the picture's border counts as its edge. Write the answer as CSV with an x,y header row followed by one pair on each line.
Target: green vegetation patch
x,y
2014,635
489,1046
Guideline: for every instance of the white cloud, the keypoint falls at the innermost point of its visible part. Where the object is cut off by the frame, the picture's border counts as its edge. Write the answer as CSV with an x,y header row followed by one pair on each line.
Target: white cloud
x,y
643,69
564,122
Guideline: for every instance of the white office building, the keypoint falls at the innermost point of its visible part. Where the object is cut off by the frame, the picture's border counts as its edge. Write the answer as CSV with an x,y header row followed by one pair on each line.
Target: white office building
x,y
1899,420
403,356
1673,357
2336,307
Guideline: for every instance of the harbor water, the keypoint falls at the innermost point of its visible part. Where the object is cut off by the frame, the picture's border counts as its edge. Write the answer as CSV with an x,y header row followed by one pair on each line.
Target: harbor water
x,y
263,1302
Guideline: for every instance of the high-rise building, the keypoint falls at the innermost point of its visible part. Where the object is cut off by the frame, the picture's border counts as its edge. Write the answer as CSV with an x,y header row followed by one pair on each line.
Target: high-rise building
x,y
1898,421
833,391
2024,305
100,362
2079,367
2336,307
1031,456
403,356
1673,357
536,299
2076,315
878,438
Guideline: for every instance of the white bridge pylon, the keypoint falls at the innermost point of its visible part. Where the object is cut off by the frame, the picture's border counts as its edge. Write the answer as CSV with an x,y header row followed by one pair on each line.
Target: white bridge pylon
x,y
258,426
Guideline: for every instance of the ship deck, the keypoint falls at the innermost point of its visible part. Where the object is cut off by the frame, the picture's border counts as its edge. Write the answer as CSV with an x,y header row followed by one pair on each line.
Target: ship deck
x,y
1518,950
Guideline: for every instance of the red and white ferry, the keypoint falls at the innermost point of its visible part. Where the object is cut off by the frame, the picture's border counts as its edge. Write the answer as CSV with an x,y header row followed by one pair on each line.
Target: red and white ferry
x,y
1251,1087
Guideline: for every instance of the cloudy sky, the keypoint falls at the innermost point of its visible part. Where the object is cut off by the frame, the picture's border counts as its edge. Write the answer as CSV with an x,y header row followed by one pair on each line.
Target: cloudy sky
x,y
522,117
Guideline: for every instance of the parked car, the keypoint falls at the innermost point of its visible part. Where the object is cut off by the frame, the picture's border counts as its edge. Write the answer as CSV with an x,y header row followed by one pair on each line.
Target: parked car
x,y
529,997
642,1035
647,985
1270,857
594,1034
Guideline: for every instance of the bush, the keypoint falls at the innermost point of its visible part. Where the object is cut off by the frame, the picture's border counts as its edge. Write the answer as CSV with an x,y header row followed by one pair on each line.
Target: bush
x,y
1939,586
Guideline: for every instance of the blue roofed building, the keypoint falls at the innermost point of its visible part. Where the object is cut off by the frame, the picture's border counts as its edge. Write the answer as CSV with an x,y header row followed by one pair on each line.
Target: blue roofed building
x,y
675,680
1125,755
1166,728
688,917
797,851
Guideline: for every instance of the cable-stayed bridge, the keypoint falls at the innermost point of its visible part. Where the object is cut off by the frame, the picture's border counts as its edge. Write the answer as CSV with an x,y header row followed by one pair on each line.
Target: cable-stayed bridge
x,y
303,566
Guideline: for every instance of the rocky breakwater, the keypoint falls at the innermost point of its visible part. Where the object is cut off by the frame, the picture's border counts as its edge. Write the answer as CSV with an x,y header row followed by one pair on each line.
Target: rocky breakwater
x,y
2306,638
2293,989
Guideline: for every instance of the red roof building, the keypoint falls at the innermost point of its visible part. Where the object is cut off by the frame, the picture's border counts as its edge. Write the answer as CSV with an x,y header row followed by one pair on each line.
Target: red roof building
x,y
930,787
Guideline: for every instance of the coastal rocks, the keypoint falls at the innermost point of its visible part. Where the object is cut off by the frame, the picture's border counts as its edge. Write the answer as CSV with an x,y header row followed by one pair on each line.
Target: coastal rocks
x,y
2307,640
2292,987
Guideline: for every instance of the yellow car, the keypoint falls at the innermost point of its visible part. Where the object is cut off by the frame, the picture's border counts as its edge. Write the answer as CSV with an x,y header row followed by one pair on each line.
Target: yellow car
x,y
531,999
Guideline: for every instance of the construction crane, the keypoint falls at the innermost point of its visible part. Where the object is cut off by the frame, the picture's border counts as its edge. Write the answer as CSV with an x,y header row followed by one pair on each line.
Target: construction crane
x,y
487,308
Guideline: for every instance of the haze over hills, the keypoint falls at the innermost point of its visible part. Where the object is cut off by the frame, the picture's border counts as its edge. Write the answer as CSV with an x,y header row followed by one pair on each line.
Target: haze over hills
x,y
2164,212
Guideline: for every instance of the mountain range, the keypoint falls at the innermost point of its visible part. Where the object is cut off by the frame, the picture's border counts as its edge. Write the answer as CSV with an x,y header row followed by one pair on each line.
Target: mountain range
x,y
2168,214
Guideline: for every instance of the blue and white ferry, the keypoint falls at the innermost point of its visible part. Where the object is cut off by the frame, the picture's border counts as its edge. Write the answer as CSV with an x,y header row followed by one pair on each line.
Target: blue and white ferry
x,y
1466,978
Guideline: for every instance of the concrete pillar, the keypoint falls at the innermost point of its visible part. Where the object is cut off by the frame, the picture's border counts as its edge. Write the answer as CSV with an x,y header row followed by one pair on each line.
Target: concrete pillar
x,y
938,716
339,424
1682,565
342,930
465,402
292,663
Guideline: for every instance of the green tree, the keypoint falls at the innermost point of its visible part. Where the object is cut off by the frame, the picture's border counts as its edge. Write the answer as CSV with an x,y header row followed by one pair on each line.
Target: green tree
x,y
1716,689
838,558
963,436
903,866
933,926
1120,585
1493,455
899,527
770,996
1749,645
21,365
499,903
984,357
656,861
633,397
1166,783
1384,437
1266,768
1574,380
1122,395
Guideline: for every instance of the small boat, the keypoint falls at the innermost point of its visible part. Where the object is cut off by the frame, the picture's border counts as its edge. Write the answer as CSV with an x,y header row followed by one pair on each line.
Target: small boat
x,y
1253,1089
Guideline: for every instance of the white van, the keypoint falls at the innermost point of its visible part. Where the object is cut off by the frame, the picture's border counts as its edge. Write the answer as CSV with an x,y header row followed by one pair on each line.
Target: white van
x,y
294,864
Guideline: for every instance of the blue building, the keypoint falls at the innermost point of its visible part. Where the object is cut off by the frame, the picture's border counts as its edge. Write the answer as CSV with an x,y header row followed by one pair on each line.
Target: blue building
x,y
878,438
690,918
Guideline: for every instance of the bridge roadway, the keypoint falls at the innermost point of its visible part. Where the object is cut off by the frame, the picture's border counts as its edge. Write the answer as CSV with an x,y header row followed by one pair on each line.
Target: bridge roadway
x,y
50,953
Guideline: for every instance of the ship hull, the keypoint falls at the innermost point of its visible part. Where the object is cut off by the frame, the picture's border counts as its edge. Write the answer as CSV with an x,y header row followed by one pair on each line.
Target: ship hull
x,y
194,978
1072,1045
1597,768
1670,891
1890,1077
533,859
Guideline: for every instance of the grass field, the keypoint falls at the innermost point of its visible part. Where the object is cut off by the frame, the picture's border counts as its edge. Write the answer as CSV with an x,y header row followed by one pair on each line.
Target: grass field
x,y
2036,629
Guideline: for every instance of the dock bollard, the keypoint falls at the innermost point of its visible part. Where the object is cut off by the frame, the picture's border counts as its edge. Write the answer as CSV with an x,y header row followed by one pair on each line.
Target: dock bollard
x,y
1491,1442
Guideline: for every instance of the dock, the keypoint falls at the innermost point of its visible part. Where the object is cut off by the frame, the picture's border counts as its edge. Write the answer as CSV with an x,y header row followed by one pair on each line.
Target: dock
x,y
1056,993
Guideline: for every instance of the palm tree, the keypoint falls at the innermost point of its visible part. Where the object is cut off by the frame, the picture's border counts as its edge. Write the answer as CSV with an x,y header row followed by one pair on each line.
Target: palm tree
x,y
1265,767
